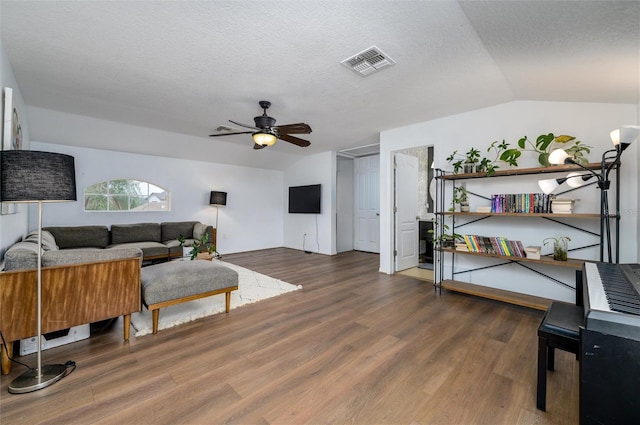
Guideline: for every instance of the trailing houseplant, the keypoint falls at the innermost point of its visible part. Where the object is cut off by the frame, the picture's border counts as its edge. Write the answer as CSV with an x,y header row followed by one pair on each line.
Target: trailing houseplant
x,y
545,143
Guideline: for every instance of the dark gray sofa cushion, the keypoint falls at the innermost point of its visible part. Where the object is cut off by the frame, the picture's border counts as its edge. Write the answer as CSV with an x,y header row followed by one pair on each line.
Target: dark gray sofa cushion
x,y
80,236
137,232
173,230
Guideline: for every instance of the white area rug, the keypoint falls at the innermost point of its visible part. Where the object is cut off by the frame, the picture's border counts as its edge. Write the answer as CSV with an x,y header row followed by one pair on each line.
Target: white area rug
x,y
252,287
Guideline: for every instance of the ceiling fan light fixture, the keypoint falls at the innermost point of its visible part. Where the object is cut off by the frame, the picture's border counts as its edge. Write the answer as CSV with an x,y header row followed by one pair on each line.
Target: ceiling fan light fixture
x,y
264,138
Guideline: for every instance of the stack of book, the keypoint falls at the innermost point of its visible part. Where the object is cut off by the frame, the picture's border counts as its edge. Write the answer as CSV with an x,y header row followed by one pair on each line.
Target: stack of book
x,y
562,206
524,203
494,245
532,252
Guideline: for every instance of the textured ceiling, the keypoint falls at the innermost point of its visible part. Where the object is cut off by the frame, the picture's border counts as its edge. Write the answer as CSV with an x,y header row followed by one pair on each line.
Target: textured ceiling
x,y
190,66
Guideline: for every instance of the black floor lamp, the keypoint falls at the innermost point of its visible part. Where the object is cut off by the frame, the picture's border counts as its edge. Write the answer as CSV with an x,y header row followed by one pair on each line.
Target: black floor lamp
x,y
621,138
37,177
217,199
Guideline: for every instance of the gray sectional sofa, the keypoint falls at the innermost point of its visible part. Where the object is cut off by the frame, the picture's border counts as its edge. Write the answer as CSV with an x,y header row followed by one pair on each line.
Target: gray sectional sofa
x,y
156,240
93,271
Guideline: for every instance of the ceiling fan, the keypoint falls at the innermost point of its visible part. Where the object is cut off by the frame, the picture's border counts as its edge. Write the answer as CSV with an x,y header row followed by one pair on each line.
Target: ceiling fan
x,y
265,132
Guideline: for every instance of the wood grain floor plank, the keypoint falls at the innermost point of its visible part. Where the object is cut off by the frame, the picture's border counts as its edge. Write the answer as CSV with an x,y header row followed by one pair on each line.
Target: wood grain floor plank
x,y
352,346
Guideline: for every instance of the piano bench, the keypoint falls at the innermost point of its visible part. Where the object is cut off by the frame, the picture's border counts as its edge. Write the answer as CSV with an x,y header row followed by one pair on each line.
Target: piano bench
x,y
560,328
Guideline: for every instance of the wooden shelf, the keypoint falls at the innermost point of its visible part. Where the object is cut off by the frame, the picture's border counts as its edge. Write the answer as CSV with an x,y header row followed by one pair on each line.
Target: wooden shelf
x,y
554,215
571,263
523,171
516,298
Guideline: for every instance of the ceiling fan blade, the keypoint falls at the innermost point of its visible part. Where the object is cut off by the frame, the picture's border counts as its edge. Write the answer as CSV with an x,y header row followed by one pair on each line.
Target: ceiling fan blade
x,y
230,134
257,146
295,140
300,128
244,125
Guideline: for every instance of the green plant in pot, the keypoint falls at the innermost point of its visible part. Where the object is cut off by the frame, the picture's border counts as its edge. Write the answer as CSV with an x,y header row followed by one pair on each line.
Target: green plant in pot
x,y
560,247
467,163
460,197
197,245
445,240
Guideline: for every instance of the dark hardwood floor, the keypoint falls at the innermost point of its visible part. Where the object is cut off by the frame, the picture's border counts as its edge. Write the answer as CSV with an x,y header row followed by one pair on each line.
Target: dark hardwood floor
x,y
353,346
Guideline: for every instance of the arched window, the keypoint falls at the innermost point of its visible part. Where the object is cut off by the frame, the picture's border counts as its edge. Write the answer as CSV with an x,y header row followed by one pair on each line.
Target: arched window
x,y
126,195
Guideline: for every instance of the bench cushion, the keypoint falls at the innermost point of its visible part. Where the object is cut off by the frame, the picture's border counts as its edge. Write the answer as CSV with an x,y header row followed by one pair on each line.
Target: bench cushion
x,y
180,279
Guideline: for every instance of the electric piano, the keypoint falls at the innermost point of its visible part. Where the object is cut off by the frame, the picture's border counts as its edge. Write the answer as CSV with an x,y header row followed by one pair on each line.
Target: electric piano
x,y
610,344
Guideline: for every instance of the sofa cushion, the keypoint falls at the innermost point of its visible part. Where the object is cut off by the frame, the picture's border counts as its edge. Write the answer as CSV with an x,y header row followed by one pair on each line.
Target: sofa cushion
x,y
22,255
80,236
149,249
173,230
48,241
137,232
59,258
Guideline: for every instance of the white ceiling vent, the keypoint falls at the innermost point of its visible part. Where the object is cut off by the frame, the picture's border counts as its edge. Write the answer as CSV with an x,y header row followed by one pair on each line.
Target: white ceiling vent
x,y
368,61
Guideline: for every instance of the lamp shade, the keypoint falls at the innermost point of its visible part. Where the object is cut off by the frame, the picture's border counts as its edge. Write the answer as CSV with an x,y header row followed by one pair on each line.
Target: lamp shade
x,y
576,179
549,185
625,135
32,176
218,199
559,157
263,138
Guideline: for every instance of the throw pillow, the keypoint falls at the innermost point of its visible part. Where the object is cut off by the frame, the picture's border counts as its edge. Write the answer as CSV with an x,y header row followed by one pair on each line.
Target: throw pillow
x,y
198,230
48,241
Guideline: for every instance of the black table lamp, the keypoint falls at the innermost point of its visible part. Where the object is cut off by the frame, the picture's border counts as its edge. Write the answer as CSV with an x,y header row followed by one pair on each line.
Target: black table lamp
x,y
37,177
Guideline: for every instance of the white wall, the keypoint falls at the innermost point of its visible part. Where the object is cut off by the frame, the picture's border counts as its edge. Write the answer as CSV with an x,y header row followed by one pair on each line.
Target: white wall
x,y
252,218
590,123
320,228
13,226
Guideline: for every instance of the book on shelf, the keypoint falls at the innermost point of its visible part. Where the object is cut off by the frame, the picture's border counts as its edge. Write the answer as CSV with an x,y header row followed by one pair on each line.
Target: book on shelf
x,y
521,203
492,245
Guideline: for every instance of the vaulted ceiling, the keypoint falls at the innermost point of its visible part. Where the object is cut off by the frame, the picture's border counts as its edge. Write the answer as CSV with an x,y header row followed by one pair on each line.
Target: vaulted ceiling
x,y
190,66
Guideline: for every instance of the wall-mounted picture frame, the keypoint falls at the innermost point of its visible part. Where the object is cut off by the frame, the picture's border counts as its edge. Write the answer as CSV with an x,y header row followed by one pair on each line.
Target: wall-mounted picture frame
x,y
11,136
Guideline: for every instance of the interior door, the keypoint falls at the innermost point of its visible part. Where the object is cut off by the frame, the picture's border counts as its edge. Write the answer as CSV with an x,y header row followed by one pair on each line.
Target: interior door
x,y
367,207
406,211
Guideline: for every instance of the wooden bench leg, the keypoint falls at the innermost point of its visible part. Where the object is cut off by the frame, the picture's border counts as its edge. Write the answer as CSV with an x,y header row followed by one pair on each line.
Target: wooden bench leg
x,y
126,319
5,354
155,314
227,296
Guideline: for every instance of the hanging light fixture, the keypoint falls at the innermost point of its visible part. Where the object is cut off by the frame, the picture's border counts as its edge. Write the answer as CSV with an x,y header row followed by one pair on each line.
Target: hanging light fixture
x,y
264,138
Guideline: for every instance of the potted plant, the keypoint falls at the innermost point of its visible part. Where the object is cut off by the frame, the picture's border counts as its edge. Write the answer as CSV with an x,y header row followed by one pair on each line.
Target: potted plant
x,y
461,198
560,247
193,250
467,163
445,240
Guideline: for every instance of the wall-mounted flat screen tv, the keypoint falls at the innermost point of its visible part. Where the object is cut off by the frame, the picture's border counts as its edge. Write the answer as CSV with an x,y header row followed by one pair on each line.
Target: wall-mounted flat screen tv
x,y
304,199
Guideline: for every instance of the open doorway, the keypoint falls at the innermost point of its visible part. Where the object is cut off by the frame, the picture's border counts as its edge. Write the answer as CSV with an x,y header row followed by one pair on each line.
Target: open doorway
x,y
413,212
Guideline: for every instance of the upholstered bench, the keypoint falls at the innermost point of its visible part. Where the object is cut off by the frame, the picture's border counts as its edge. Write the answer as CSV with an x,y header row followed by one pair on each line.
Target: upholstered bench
x,y
180,281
